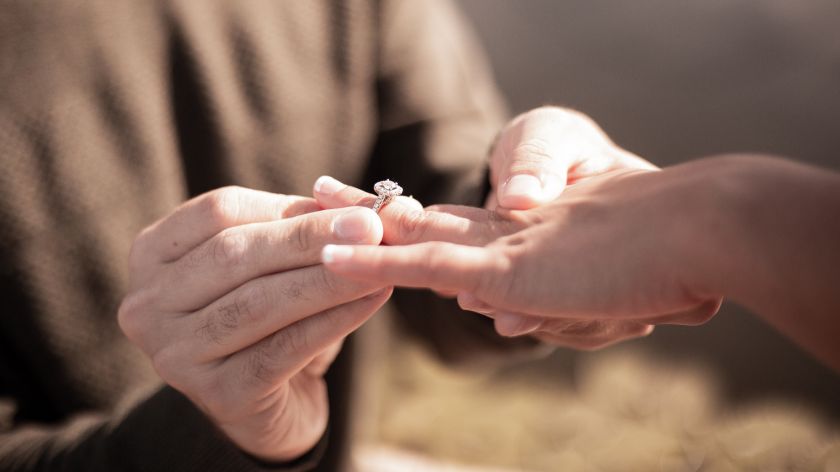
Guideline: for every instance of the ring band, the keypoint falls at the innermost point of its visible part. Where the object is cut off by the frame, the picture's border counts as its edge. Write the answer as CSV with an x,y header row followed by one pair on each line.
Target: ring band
x,y
386,190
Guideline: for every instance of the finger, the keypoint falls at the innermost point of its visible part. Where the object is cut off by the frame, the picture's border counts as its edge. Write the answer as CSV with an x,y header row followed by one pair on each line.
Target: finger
x,y
575,333
583,332
590,335
610,158
446,293
200,218
511,324
262,306
319,364
281,355
435,265
469,302
238,254
530,162
492,201
405,224
696,316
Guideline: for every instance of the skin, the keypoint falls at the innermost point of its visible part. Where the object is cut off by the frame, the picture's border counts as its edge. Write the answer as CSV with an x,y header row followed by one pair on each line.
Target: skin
x,y
450,247
229,299
628,248
542,151
230,302
536,156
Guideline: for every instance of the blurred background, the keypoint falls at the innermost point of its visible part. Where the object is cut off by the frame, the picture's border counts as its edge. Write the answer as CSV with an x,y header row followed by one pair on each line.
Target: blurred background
x,y
670,81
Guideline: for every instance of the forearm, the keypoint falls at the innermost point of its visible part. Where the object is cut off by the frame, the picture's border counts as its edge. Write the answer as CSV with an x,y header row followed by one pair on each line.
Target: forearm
x,y
774,246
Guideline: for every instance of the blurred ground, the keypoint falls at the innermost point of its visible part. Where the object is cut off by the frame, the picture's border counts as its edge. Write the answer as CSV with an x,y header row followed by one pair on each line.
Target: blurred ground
x,y
670,81
622,409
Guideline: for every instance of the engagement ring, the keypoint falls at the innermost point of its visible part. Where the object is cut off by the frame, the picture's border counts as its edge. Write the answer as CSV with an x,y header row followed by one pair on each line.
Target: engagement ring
x,y
386,190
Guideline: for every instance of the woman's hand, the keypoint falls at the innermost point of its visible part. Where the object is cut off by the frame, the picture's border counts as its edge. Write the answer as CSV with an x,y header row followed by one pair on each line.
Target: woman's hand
x,y
535,157
633,246
612,256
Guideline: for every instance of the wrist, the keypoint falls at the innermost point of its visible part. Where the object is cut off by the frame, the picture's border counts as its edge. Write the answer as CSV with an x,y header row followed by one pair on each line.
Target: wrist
x,y
732,212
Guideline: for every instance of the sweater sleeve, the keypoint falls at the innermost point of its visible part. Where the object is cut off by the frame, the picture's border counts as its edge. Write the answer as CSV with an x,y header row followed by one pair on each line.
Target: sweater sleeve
x,y
163,432
439,112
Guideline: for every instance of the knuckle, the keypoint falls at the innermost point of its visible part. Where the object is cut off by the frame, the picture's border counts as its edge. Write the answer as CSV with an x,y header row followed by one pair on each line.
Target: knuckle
x,y
438,257
289,342
246,305
326,282
560,116
252,301
127,317
411,226
264,362
299,238
258,367
294,290
500,278
169,364
133,317
222,206
229,248
356,197
529,153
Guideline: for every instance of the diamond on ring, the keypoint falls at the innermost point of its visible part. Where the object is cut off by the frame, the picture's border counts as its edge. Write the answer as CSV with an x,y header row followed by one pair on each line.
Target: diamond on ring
x,y
386,190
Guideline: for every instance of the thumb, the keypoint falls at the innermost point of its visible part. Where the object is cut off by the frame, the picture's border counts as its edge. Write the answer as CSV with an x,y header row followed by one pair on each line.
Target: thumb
x,y
530,161
531,179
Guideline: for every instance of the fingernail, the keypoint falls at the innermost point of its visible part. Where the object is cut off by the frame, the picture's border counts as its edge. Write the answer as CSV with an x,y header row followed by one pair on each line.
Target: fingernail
x,y
327,185
508,324
470,302
522,188
355,226
335,254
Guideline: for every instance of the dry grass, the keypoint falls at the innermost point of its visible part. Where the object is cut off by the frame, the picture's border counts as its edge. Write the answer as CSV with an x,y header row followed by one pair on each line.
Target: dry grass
x,y
623,411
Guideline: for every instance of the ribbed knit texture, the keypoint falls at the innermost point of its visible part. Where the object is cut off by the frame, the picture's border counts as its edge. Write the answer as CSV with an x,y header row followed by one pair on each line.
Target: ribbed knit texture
x,y
112,112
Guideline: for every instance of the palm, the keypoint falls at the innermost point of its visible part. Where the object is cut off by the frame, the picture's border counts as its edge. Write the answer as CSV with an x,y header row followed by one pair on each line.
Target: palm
x,y
288,420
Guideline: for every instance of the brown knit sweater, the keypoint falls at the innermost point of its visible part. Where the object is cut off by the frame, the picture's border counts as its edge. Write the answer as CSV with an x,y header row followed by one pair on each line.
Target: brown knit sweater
x,y
112,112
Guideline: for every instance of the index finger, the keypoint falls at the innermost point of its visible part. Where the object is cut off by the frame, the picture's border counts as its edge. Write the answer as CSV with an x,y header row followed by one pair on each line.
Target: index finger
x,y
208,214
435,265
404,223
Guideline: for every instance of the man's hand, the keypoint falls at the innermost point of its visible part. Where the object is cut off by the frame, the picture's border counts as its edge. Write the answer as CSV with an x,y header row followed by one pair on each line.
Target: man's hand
x,y
593,267
229,300
542,151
